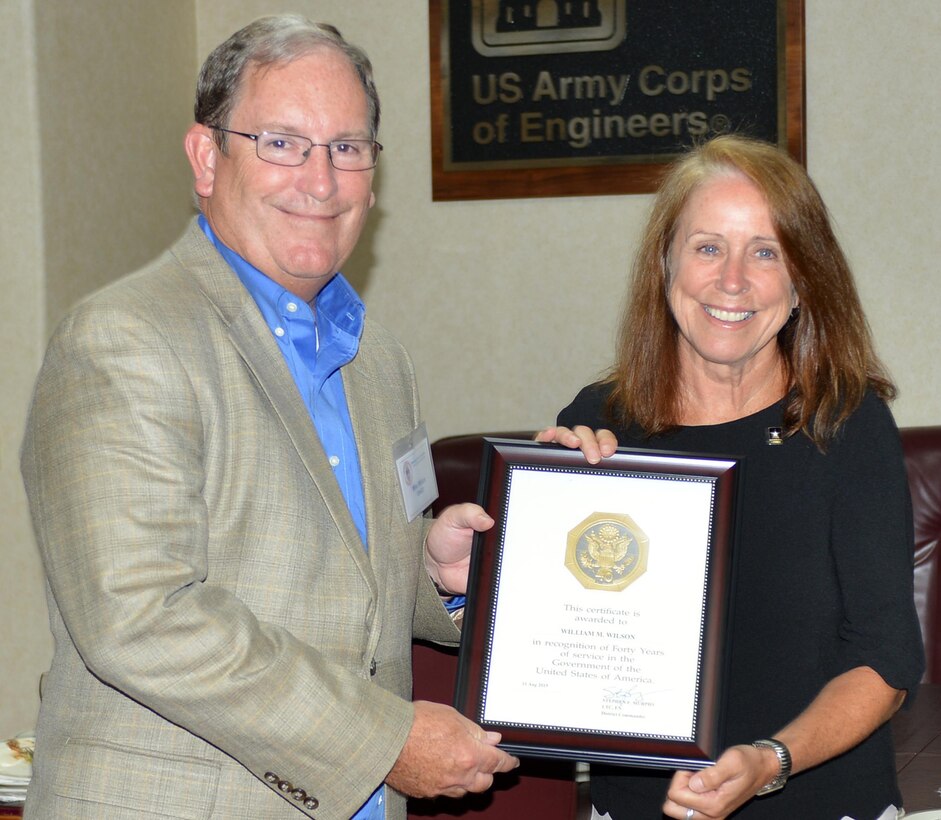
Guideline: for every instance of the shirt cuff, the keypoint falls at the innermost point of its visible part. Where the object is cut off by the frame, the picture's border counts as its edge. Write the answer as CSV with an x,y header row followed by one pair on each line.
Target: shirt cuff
x,y
455,602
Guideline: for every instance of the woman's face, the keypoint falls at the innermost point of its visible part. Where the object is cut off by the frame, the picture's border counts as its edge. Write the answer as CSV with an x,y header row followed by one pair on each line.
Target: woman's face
x,y
729,291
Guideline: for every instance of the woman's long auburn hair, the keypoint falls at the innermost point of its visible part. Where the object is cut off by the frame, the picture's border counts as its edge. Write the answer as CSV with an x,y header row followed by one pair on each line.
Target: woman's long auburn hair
x,y
826,346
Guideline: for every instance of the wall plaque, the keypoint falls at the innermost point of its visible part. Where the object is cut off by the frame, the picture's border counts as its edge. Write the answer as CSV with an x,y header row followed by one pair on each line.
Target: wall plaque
x,y
566,97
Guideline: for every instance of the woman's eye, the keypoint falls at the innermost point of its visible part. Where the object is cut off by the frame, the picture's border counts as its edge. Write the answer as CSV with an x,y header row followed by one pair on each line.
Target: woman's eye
x,y
767,253
710,249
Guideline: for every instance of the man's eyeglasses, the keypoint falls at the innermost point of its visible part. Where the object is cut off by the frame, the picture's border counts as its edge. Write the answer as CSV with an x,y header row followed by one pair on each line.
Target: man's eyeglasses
x,y
292,150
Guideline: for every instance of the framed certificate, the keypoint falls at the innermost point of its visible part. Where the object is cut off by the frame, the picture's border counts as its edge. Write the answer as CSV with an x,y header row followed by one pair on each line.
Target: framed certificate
x,y
598,604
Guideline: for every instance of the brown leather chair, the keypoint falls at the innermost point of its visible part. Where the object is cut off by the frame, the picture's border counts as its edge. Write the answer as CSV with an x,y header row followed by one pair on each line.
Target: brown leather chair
x,y
544,789
922,447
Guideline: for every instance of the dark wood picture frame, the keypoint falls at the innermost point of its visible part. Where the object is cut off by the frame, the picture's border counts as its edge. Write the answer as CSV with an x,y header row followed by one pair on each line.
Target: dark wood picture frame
x,y
620,175
490,570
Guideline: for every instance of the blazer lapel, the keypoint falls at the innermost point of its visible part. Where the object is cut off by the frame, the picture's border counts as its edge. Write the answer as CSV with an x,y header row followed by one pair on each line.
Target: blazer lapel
x,y
364,387
251,337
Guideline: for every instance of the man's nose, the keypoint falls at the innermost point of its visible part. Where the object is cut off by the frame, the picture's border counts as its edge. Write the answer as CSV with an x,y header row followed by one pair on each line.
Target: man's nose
x,y
317,175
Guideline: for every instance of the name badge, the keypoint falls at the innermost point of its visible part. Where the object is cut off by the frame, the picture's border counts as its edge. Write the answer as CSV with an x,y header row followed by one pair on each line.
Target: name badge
x,y
416,471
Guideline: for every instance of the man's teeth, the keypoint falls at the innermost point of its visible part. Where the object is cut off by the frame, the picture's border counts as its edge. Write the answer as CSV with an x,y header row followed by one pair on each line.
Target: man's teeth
x,y
729,315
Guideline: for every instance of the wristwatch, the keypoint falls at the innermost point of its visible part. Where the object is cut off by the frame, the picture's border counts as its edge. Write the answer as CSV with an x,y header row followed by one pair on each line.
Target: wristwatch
x,y
784,758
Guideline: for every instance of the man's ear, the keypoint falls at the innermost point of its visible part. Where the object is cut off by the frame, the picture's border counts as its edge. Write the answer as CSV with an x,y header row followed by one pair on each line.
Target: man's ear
x,y
202,153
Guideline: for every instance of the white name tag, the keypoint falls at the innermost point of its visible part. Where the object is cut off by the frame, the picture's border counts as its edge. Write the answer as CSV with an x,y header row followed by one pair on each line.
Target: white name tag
x,y
416,471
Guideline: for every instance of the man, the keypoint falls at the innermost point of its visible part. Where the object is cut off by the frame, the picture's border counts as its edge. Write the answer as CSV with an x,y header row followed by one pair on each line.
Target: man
x,y
233,581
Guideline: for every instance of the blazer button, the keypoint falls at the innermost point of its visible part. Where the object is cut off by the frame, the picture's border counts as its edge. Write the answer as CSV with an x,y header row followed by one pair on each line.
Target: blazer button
x,y
271,777
285,786
311,803
298,795
372,668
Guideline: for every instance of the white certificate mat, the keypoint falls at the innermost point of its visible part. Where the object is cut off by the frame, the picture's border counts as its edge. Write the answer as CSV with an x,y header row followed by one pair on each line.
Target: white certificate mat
x,y
598,604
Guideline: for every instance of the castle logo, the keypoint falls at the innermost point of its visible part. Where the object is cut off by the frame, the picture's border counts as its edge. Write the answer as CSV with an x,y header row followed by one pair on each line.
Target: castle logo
x,y
501,28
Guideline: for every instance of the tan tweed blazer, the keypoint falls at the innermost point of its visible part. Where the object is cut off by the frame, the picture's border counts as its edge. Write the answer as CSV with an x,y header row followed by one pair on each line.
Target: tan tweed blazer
x,y
216,617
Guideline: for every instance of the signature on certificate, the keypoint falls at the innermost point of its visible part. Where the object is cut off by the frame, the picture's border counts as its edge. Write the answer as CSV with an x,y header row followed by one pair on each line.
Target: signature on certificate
x,y
633,696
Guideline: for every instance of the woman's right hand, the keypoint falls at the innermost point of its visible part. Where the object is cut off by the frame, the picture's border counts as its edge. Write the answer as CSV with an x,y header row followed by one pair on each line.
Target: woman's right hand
x,y
715,792
595,444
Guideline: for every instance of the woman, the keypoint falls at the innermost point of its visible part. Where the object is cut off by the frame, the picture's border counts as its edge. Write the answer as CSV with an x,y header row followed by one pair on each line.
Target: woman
x,y
744,335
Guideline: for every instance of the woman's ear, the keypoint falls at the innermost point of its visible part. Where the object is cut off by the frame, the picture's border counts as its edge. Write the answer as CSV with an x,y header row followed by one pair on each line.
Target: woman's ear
x,y
202,153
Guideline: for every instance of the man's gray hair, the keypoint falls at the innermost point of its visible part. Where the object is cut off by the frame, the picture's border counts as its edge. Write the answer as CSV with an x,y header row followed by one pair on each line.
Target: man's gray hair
x,y
268,41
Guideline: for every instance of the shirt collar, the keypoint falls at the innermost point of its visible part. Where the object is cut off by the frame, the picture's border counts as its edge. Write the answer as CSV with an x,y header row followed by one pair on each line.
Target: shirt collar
x,y
339,312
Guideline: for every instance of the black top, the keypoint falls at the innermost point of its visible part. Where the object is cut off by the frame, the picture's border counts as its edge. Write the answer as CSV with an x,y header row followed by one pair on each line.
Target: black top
x,y
823,584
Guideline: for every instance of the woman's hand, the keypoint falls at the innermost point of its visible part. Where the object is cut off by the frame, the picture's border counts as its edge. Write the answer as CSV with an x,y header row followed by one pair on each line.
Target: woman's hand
x,y
845,712
716,792
595,444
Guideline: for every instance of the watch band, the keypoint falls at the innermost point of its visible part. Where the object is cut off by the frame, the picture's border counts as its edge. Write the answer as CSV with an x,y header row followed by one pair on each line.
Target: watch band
x,y
784,759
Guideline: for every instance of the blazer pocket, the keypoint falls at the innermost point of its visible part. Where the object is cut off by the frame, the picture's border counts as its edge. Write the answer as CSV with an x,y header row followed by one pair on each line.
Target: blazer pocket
x,y
140,781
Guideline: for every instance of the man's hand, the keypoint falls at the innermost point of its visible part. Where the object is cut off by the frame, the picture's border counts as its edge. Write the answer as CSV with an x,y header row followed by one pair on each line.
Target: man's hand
x,y
595,444
448,545
447,754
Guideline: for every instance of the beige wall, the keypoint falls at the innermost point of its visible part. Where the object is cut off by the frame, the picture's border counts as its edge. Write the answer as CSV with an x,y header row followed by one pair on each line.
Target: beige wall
x,y
507,306
94,182
115,86
25,642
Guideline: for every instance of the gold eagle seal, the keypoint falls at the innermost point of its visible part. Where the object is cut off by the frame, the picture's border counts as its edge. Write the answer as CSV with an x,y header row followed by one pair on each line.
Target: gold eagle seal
x,y
607,551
